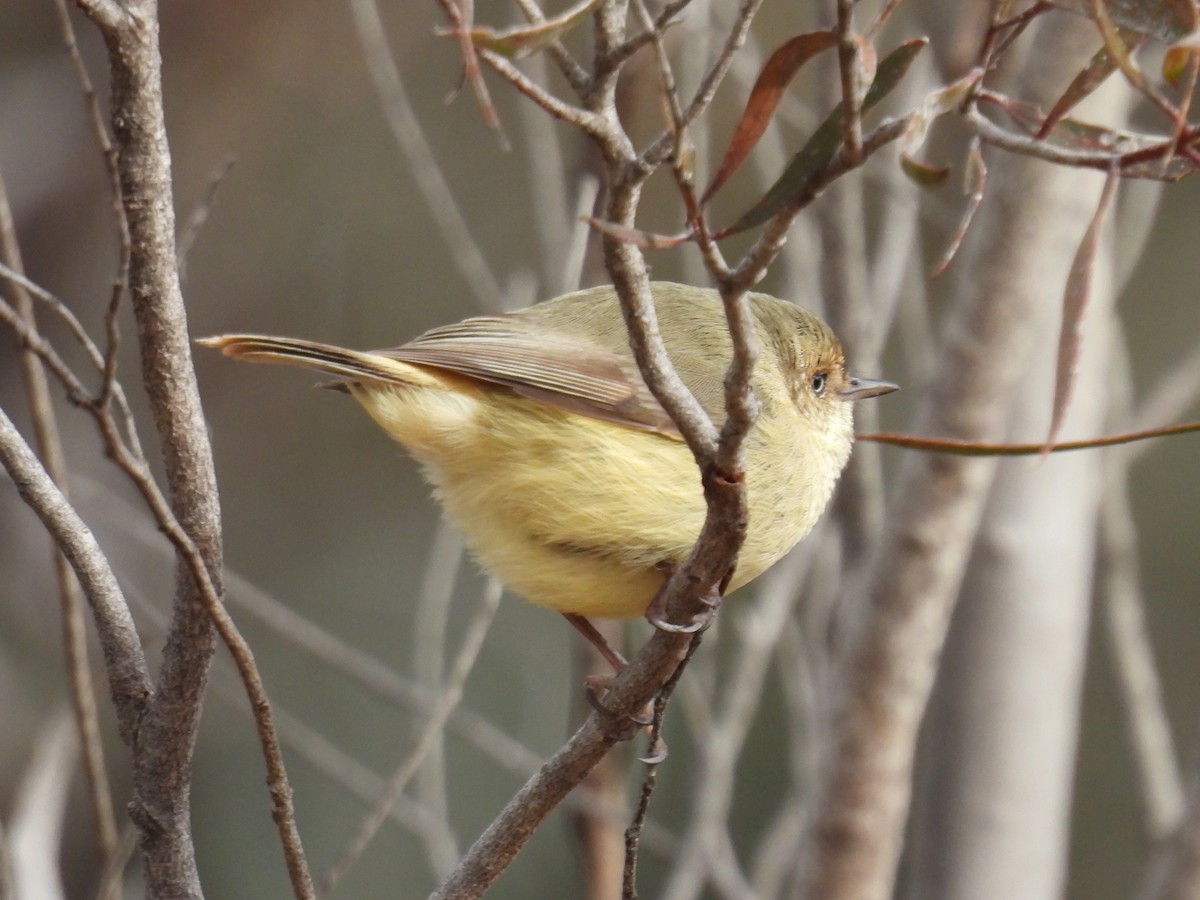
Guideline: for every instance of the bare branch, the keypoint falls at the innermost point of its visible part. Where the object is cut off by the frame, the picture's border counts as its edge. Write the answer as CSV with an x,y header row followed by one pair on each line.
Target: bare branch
x,y
430,732
125,664
162,751
1031,146
575,74
410,138
852,88
657,151
573,115
49,444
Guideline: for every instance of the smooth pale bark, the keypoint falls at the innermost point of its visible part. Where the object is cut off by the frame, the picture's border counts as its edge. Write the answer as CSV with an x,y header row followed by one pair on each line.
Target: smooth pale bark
x,y
999,749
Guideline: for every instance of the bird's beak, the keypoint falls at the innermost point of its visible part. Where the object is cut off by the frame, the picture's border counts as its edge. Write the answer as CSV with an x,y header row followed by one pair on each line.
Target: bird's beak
x,y
862,388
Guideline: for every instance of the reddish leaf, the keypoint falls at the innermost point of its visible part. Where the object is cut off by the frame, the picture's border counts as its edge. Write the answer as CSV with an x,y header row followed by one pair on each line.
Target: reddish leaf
x,y
1075,302
975,178
825,141
772,81
1097,71
868,59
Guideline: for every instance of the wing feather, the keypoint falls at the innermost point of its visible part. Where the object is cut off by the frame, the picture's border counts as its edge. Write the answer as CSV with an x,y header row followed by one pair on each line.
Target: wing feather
x,y
544,364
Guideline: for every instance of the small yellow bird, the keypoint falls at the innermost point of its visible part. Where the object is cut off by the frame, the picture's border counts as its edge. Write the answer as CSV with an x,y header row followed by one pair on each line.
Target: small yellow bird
x,y
568,479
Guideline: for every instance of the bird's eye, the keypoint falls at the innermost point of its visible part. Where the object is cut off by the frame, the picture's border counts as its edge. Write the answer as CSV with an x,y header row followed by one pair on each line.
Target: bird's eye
x,y
818,383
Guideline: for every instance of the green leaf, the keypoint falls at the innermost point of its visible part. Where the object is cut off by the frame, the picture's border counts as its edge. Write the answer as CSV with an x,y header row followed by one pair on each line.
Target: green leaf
x,y
777,73
825,140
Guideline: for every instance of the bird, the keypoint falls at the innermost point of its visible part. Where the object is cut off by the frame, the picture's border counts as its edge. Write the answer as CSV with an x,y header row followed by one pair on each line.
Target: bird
x,y
566,476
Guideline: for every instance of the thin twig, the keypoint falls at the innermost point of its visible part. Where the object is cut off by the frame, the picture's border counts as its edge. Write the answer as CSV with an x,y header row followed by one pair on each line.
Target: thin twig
x,y
198,218
575,74
758,631
561,110
116,199
430,645
1028,145
958,447
657,753
456,680
410,138
648,33
852,88
71,601
79,394
682,155
167,728
1123,608
658,149
124,661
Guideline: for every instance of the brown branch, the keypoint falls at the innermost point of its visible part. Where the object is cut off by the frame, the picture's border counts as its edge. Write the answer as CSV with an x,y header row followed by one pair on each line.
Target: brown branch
x,y
507,834
125,664
682,153
706,569
703,98
1028,145
959,447
657,755
650,32
572,115
162,751
852,88
571,70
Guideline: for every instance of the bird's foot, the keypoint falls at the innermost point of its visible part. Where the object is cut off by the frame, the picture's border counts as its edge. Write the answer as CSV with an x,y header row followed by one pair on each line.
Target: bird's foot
x,y
656,614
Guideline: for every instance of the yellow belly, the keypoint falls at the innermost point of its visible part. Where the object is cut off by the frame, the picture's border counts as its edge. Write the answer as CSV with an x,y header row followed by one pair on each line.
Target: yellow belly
x,y
575,513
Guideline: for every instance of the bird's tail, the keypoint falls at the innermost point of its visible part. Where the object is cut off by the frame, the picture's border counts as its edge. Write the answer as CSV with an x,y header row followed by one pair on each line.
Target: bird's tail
x,y
354,365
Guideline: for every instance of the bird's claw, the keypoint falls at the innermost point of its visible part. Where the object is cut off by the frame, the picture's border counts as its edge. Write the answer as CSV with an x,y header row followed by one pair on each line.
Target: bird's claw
x,y
595,686
658,753
656,615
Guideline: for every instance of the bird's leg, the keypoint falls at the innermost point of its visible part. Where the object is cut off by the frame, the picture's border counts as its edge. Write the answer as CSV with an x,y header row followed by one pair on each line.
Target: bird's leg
x,y
597,640
597,685
656,612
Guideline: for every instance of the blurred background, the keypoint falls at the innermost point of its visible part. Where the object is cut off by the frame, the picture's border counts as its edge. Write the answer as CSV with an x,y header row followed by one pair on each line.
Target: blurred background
x,y
321,226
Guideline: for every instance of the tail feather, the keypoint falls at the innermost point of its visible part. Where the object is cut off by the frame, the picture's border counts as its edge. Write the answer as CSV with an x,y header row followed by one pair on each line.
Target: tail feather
x,y
354,365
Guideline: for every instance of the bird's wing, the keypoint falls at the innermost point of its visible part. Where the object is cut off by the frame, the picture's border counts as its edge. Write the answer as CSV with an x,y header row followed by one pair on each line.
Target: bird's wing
x,y
554,366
